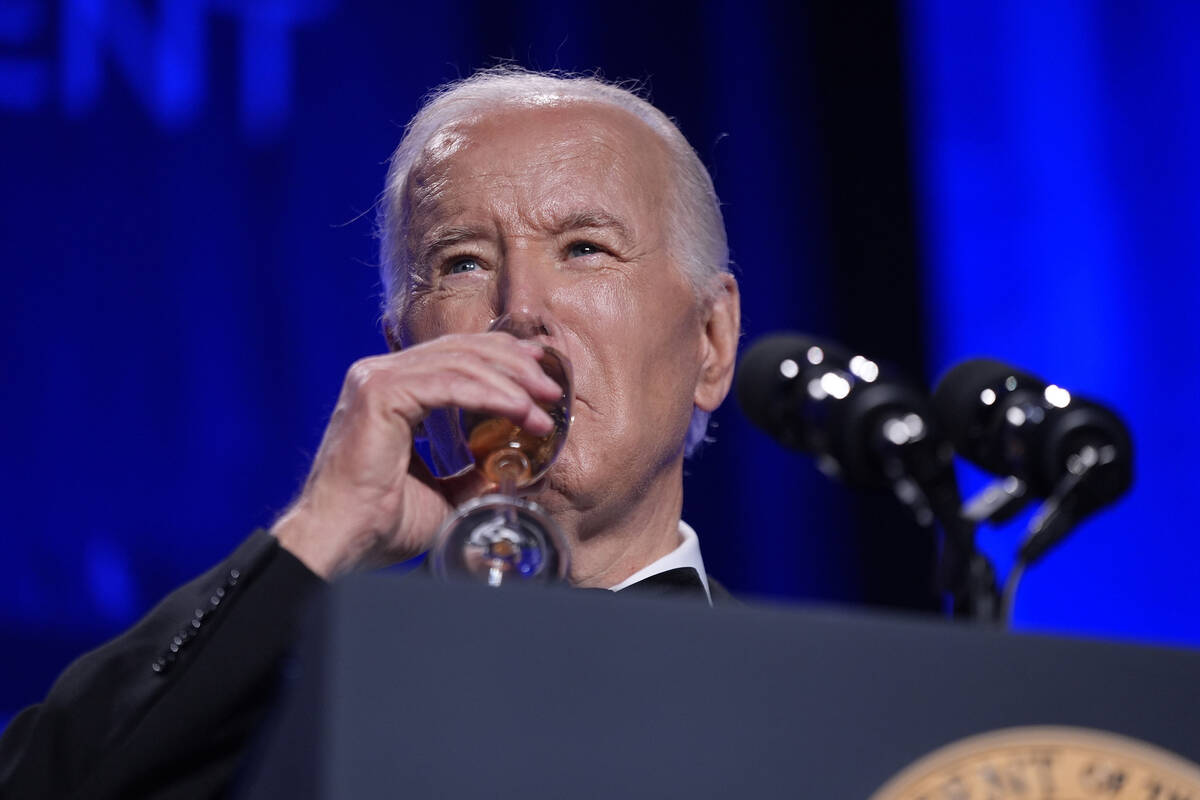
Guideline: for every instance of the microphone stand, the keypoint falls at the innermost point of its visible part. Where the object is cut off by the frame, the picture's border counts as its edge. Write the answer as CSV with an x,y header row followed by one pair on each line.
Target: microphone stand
x,y
1084,487
920,469
1082,490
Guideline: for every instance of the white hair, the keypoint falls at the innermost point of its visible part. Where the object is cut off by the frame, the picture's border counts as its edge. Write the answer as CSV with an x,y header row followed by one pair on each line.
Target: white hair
x,y
694,216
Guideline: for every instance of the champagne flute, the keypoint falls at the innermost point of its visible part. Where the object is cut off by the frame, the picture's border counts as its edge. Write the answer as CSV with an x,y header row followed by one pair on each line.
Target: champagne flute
x,y
501,537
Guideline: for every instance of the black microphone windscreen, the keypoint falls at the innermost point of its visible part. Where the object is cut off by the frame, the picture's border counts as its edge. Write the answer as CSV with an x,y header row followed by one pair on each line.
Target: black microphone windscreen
x,y
761,382
957,402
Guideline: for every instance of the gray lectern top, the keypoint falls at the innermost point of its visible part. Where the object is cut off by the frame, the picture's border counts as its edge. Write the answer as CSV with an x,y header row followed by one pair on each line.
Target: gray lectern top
x,y
410,689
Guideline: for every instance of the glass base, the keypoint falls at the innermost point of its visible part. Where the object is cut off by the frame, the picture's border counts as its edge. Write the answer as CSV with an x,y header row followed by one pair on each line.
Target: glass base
x,y
498,539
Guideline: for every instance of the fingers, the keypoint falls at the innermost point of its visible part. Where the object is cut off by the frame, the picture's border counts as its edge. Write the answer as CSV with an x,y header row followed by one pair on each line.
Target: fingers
x,y
516,358
480,373
469,384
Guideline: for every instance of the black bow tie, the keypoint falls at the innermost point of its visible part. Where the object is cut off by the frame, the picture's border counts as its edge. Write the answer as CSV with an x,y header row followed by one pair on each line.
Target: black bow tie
x,y
678,582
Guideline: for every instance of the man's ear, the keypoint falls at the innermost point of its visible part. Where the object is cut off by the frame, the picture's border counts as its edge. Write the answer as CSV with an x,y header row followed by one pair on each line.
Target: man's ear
x,y
722,329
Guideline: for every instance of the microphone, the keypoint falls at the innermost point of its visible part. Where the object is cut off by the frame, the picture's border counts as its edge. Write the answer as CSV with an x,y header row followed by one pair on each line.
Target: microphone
x,y
871,427
1073,451
864,424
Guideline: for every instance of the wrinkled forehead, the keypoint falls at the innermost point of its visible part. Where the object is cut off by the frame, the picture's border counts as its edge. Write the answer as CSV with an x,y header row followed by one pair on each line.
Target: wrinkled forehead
x,y
540,159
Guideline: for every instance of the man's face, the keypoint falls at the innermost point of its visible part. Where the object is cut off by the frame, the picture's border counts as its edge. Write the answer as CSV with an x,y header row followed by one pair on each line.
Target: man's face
x,y
561,212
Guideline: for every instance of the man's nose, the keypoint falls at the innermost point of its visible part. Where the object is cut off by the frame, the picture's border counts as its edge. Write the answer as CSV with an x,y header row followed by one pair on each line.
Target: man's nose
x,y
525,283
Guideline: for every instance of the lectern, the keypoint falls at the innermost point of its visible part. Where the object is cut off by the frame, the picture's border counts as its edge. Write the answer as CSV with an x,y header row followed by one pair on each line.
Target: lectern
x,y
409,689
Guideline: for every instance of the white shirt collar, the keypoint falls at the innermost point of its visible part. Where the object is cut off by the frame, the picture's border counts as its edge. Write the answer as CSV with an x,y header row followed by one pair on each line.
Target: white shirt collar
x,y
687,554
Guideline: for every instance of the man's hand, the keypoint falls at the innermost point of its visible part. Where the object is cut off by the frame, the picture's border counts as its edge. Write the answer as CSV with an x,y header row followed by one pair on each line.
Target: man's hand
x,y
369,500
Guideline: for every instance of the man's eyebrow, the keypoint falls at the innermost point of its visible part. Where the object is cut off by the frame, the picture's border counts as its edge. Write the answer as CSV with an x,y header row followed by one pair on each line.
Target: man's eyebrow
x,y
592,219
446,236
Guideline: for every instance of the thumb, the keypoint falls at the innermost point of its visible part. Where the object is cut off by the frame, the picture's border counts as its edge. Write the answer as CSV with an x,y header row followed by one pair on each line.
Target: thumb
x,y
456,488
467,484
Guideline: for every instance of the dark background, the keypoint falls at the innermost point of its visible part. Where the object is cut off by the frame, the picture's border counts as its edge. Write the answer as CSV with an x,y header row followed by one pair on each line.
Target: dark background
x,y
188,267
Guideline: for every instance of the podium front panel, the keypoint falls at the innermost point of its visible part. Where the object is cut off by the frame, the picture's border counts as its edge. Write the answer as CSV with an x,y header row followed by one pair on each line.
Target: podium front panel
x,y
410,689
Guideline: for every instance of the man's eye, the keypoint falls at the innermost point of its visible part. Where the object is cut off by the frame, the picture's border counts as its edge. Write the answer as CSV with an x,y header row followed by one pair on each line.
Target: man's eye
x,y
583,249
463,265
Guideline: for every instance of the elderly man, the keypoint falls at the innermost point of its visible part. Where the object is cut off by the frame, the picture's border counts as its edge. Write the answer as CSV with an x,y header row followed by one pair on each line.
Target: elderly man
x,y
563,200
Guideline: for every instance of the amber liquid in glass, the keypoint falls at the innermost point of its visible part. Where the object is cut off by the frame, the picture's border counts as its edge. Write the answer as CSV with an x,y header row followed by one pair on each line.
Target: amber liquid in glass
x,y
510,456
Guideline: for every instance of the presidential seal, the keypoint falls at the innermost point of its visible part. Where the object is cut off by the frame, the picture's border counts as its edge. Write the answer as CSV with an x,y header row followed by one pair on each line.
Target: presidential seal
x,y
1046,763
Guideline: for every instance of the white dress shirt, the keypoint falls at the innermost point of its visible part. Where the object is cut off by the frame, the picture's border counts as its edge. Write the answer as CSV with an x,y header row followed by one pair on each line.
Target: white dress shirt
x,y
687,554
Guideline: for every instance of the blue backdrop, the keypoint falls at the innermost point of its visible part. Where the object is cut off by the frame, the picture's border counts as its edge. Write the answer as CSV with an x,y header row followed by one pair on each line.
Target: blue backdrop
x,y
1058,174
188,268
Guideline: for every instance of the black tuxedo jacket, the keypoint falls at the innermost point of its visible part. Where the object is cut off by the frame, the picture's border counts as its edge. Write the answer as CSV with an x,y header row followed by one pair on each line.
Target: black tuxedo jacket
x,y
166,709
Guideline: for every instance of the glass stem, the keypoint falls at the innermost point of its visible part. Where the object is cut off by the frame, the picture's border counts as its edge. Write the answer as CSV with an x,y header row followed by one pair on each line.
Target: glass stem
x,y
508,514
508,488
